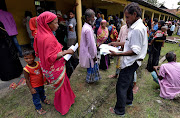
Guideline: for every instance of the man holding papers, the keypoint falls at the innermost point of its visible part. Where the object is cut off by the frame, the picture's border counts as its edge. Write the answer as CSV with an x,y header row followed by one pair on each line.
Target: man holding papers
x,y
134,51
88,50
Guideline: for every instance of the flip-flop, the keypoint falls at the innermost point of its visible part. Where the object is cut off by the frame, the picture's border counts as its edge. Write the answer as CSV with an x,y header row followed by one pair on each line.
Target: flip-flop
x,y
47,102
112,110
41,111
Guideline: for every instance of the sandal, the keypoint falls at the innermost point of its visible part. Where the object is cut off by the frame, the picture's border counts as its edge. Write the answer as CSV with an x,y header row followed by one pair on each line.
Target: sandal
x,y
112,110
41,111
47,102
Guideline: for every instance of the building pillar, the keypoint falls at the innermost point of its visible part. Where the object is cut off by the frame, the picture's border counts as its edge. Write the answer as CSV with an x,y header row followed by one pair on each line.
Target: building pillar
x,y
143,12
152,17
79,20
164,18
124,18
167,18
159,17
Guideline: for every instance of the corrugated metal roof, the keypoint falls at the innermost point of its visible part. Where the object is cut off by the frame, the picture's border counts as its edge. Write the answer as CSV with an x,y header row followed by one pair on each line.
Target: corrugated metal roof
x,y
146,4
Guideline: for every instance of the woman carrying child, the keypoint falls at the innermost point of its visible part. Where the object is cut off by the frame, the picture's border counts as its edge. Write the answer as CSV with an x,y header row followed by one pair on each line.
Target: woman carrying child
x,y
50,53
156,43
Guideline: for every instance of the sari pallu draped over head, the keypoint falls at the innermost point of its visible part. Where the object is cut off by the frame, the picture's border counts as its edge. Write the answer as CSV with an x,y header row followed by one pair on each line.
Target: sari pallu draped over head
x,y
102,34
47,47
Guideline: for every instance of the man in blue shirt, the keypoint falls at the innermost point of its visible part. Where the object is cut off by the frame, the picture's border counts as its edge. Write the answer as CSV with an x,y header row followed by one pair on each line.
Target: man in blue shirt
x,y
172,29
98,21
155,27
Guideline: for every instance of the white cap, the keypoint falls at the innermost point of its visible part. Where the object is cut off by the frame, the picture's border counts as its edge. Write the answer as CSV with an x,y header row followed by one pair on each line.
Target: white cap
x,y
59,13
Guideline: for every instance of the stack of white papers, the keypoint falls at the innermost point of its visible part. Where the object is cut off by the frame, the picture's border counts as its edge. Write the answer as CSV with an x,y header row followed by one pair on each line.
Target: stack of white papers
x,y
74,48
104,49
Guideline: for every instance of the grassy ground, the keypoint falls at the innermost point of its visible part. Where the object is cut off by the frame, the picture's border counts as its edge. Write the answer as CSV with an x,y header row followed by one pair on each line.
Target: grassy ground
x,y
94,100
175,35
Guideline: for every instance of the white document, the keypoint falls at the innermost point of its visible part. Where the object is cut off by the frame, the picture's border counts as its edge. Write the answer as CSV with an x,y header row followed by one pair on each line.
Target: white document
x,y
74,48
104,49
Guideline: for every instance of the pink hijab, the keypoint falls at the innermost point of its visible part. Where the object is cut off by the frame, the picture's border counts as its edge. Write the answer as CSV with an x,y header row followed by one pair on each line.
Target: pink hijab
x,y
46,45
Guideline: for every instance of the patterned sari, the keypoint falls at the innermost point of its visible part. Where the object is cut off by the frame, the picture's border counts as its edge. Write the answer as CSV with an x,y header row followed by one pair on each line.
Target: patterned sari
x,y
102,35
47,47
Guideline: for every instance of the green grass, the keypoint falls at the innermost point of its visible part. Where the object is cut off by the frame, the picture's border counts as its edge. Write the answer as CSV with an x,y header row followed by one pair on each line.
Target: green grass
x,y
175,35
18,103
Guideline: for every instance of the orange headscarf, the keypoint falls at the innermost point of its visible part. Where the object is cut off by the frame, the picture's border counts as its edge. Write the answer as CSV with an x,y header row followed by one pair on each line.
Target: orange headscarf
x,y
33,26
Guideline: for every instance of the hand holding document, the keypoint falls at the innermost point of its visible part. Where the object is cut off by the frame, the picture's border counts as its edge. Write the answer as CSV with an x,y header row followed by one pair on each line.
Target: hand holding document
x,y
74,48
104,49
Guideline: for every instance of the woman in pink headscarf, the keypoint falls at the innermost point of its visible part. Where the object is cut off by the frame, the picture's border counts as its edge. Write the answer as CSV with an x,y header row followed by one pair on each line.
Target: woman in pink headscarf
x,y
102,33
52,62
102,38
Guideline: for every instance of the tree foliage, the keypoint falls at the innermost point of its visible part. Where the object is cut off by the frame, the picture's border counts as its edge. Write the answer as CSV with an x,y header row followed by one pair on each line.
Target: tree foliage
x,y
155,2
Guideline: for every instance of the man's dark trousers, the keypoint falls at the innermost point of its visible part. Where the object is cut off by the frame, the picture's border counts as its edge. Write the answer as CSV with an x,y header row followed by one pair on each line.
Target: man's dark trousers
x,y
124,88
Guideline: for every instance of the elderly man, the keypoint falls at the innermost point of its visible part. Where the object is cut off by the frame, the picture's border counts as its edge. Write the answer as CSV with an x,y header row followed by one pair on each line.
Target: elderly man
x,y
168,77
134,51
88,50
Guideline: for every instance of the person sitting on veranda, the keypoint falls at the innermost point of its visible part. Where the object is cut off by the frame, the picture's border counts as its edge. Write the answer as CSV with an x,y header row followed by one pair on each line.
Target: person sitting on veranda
x,y
168,77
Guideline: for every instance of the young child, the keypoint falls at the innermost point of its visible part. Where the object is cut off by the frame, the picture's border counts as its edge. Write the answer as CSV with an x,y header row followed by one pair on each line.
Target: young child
x,y
159,33
35,81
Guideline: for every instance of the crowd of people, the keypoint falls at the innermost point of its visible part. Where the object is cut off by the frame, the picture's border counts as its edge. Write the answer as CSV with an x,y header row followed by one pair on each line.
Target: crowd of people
x,y
52,35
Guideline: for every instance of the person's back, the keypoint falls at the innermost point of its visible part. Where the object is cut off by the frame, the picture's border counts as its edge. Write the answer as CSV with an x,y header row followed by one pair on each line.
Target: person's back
x,y
171,73
168,77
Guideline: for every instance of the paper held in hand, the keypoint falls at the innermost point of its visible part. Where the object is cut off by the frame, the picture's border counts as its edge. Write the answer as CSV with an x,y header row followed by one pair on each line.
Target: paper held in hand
x,y
74,48
104,49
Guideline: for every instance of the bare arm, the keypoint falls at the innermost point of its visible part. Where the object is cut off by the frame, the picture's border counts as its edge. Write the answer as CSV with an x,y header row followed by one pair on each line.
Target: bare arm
x,y
61,54
26,75
163,44
117,44
156,68
128,53
151,42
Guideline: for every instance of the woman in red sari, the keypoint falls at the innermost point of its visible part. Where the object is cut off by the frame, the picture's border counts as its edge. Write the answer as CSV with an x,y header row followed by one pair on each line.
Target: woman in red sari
x,y
50,53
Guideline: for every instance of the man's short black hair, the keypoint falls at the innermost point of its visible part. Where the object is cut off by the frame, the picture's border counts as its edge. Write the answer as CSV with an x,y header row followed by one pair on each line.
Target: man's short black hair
x,y
28,13
155,20
71,11
111,22
29,52
99,12
133,7
170,56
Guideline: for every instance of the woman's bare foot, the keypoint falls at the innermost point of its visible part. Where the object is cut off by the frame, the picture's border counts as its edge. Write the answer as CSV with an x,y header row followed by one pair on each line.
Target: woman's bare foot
x,y
112,76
